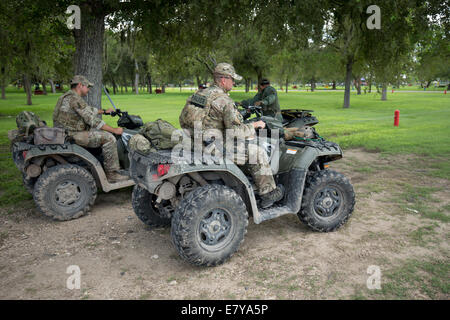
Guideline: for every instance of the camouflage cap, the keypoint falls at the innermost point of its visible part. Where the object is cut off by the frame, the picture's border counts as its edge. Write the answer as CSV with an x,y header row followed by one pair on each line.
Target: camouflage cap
x,y
228,70
81,79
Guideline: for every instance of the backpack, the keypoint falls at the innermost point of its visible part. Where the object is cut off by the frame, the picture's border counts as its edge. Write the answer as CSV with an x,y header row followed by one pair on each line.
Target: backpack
x,y
27,121
159,133
140,143
45,135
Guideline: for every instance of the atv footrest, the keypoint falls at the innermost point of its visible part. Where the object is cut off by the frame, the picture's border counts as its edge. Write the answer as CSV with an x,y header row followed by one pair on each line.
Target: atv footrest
x,y
273,212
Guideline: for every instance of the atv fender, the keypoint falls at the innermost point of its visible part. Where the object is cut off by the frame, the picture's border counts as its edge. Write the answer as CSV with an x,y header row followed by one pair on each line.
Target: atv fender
x,y
76,150
327,152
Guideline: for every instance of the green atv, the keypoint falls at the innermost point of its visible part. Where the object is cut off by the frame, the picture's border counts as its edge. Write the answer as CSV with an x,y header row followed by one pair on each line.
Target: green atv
x,y
64,178
208,205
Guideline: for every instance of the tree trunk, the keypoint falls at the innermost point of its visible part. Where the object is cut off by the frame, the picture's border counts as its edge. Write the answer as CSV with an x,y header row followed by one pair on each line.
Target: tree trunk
x,y
52,85
259,73
287,85
44,87
89,50
27,87
114,86
313,84
358,85
149,84
3,83
126,87
247,84
384,92
348,82
136,77
334,85
163,88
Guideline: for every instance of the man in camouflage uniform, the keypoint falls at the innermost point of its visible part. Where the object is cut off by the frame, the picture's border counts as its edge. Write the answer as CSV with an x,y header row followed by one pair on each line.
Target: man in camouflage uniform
x,y
267,98
87,130
216,110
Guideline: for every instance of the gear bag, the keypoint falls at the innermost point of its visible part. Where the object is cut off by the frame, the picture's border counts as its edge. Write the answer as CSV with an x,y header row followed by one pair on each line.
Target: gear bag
x,y
140,143
159,133
27,121
45,135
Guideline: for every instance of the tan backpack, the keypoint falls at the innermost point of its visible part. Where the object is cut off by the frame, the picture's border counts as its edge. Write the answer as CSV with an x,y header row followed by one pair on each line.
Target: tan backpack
x,y
45,135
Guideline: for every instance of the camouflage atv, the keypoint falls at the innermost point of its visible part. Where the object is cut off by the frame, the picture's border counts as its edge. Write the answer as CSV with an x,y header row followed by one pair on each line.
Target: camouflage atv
x,y
207,206
64,178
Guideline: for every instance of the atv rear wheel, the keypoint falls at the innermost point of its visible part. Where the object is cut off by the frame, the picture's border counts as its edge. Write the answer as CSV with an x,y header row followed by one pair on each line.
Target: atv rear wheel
x,y
65,192
209,225
144,207
328,201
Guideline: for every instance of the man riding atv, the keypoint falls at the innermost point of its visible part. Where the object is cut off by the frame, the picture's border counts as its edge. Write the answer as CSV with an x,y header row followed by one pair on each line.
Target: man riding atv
x,y
266,98
83,125
216,110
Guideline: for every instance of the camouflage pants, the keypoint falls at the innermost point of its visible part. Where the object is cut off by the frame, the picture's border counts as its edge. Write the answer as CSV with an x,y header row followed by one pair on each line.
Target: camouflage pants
x,y
99,138
260,171
254,161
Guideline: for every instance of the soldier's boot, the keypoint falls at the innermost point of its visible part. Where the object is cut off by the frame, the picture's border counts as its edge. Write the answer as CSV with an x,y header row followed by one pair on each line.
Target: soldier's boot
x,y
116,176
271,197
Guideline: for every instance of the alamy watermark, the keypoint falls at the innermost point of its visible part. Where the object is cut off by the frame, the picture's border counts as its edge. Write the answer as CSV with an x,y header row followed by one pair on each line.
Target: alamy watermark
x,y
374,21
74,280
74,20
208,147
374,281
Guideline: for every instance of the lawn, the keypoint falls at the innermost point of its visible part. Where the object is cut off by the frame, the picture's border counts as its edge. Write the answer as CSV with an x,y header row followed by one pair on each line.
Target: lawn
x,y
424,123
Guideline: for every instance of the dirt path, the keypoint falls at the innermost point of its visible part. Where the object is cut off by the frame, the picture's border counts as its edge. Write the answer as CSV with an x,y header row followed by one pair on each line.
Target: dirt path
x,y
400,224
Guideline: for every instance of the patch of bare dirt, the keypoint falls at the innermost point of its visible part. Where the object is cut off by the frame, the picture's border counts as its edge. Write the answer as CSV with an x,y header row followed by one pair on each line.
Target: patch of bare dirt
x,y
120,258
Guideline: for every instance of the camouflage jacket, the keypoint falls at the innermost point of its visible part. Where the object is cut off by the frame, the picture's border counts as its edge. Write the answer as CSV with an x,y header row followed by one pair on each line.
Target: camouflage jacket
x,y
269,99
74,114
215,110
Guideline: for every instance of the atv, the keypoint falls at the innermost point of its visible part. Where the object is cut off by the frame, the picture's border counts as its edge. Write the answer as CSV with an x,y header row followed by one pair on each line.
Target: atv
x,y
64,178
208,205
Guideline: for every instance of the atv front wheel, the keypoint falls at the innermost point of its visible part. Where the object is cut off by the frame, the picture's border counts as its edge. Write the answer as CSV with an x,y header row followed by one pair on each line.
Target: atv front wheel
x,y
328,201
144,207
209,225
65,192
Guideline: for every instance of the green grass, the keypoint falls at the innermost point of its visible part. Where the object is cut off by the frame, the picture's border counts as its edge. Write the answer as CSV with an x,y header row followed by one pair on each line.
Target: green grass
x,y
425,277
419,200
424,127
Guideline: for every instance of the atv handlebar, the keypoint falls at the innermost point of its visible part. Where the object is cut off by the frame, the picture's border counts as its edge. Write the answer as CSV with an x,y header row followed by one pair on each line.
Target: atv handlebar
x,y
248,111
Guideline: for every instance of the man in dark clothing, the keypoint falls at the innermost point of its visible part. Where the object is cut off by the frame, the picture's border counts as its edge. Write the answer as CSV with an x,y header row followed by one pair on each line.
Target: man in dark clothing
x,y
266,98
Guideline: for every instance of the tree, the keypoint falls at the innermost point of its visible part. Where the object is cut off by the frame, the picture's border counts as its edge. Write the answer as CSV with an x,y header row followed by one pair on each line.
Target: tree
x,y
286,65
37,41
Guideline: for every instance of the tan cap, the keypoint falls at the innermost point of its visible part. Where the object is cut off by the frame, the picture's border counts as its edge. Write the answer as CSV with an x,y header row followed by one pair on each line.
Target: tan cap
x,y
228,70
81,79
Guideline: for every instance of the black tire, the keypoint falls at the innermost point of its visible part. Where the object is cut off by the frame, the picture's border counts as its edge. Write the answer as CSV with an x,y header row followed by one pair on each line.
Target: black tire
x,y
328,201
209,225
65,192
143,206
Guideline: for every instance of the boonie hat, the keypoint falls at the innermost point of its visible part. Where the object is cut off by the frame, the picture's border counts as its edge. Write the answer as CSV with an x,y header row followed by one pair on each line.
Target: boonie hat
x,y
227,70
81,79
